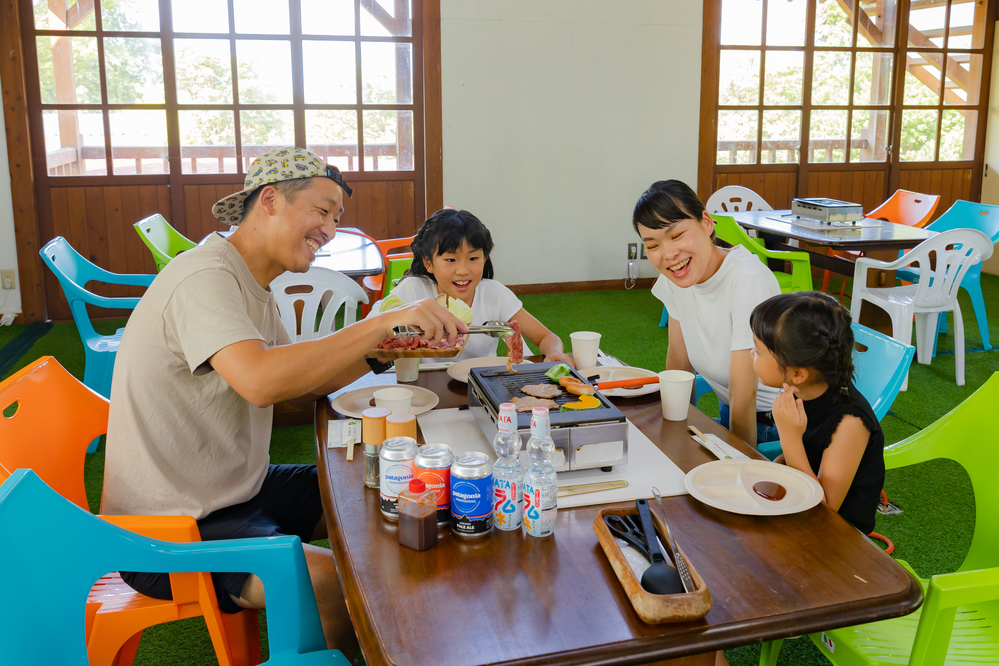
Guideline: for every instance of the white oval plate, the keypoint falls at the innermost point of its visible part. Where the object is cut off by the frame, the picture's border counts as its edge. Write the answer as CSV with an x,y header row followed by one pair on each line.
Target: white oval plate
x,y
459,370
353,403
612,373
728,485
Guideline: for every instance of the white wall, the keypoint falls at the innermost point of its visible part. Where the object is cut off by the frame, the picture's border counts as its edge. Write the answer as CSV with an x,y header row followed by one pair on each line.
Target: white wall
x,y
10,301
557,115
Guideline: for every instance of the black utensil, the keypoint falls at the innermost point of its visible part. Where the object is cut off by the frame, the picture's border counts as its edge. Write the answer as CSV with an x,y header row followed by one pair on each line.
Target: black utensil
x,y
624,529
660,578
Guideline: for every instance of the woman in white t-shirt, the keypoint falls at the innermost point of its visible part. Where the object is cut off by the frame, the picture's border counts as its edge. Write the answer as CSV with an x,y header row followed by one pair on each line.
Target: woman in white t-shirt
x,y
709,292
451,256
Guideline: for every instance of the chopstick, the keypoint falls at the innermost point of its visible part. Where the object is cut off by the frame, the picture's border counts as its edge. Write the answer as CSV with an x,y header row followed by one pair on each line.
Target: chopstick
x,y
708,444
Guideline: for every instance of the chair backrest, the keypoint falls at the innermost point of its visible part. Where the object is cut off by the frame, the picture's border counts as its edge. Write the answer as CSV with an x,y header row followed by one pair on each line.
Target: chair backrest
x,y
966,435
69,266
326,289
970,215
56,419
396,270
729,231
881,368
954,251
163,241
735,198
912,209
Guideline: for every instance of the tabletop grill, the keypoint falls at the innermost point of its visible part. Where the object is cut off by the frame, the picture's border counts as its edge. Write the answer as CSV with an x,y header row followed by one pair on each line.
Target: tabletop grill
x,y
585,439
827,210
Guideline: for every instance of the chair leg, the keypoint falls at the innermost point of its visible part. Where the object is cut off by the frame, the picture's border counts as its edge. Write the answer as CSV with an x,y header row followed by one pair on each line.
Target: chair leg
x,y
826,277
770,652
926,326
978,303
901,330
126,653
664,320
958,344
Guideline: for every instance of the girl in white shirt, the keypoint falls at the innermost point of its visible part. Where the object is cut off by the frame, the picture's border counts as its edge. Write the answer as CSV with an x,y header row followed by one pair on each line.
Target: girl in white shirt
x,y
451,256
709,292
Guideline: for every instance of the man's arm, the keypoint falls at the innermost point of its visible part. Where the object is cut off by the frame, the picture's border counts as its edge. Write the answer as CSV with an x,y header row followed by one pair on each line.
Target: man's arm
x,y
742,385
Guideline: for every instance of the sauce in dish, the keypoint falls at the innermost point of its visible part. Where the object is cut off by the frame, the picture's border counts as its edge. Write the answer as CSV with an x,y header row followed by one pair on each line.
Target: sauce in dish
x,y
770,490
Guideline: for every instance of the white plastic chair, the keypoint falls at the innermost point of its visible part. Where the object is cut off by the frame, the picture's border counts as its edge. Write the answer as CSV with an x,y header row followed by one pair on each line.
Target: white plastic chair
x,y
935,292
330,290
735,198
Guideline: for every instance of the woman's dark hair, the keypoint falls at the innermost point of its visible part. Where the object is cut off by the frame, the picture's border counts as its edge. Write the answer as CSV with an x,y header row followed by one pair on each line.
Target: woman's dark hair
x,y
444,232
666,203
807,329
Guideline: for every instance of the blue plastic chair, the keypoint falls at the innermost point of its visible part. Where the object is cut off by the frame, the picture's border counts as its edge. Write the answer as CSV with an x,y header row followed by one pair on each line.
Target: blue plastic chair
x,y
73,273
43,621
965,215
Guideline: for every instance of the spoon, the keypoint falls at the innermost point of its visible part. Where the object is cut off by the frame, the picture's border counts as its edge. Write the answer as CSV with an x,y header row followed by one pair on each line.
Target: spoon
x,y
660,578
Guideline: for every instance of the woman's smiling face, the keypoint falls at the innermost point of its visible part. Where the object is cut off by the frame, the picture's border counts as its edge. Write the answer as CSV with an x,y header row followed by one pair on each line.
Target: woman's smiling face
x,y
684,251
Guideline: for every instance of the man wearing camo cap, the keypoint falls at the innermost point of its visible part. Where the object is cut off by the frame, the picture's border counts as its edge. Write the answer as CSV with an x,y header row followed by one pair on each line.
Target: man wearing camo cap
x,y
203,359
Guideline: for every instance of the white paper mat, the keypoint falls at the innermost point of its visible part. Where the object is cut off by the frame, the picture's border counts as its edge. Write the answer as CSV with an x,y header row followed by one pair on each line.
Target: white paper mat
x,y
647,465
728,449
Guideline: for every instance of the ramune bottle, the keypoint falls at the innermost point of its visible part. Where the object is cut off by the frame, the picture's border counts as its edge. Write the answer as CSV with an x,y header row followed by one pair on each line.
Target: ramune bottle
x,y
540,482
508,473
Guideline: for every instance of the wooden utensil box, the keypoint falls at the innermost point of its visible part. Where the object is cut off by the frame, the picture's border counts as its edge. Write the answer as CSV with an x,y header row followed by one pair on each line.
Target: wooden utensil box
x,y
652,608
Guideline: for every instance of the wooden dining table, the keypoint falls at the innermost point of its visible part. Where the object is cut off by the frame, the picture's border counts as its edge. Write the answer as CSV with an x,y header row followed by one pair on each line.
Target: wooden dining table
x,y
513,599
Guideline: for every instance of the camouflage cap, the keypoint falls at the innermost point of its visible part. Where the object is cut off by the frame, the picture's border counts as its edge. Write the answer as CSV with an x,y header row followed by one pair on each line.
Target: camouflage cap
x,y
273,167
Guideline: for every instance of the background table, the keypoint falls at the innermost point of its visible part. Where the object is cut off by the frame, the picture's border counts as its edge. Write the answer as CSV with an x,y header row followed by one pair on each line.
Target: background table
x,y
349,252
512,599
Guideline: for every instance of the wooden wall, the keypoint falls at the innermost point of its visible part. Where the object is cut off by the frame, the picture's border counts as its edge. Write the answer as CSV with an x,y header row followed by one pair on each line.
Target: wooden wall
x,y
950,184
776,187
863,187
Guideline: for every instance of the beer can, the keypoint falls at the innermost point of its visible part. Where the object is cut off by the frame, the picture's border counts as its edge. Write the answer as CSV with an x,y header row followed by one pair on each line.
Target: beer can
x,y
433,466
395,472
471,495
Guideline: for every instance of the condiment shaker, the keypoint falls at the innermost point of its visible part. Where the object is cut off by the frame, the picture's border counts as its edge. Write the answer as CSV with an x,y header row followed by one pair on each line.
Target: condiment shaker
x,y
418,516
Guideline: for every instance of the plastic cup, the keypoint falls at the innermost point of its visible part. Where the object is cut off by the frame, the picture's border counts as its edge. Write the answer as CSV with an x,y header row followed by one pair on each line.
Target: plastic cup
x,y
674,389
396,400
584,348
407,369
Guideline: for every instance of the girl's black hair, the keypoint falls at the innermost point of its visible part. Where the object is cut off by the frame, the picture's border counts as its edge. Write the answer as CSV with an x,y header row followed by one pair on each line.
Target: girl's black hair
x,y
666,203
444,232
807,329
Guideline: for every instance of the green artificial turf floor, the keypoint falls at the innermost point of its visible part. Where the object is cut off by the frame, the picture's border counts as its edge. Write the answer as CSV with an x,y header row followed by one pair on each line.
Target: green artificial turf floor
x,y
933,535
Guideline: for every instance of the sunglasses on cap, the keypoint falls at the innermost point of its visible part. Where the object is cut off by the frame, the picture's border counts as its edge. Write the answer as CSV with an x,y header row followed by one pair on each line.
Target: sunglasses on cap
x,y
334,174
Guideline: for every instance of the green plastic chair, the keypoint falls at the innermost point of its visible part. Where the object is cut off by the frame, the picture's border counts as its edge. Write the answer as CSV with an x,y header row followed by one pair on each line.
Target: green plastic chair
x,y
396,270
959,620
163,241
800,277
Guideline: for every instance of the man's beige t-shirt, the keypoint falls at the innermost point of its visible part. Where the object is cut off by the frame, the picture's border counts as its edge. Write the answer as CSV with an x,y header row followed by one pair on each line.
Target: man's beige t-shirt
x,y
180,440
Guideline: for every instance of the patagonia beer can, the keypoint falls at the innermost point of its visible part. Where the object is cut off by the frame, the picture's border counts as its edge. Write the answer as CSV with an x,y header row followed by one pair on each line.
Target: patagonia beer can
x,y
395,472
433,467
471,495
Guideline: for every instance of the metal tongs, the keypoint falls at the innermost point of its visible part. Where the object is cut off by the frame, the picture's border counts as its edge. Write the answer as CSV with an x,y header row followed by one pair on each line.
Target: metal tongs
x,y
494,329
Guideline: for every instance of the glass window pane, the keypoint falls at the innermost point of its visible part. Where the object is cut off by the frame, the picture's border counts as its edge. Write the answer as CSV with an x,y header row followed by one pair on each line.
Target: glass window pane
x,y
872,78
68,71
739,78
203,70
831,78
386,18
964,78
387,72
261,131
832,25
786,22
333,135
737,137
827,137
134,70
264,70
207,141
876,25
967,26
74,143
131,16
922,78
869,135
328,17
781,136
138,142
261,17
957,134
918,142
926,25
200,15
741,22
330,74
63,15
783,78
388,140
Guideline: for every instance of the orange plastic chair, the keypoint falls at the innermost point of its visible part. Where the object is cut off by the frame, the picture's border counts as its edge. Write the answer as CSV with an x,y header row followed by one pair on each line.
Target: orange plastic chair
x,y
55,418
375,284
912,209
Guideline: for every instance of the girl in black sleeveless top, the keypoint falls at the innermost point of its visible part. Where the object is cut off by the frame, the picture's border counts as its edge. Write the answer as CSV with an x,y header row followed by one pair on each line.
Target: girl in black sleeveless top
x,y
803,342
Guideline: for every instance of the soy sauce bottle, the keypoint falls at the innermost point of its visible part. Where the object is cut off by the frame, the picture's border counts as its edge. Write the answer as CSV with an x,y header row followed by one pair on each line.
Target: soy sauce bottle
x,y
418,516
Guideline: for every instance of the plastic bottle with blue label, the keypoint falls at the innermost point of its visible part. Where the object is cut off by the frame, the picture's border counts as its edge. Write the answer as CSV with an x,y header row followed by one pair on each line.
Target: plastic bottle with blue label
x,y
508,473
540,482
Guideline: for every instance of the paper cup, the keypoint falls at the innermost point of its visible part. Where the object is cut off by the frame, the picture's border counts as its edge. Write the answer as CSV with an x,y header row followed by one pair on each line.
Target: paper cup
x,y
407,369
674,389
584,348
396,400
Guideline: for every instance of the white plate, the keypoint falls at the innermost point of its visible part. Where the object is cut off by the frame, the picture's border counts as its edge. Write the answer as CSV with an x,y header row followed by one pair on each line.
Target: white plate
x,y
728,485
460,369
353,403
614,373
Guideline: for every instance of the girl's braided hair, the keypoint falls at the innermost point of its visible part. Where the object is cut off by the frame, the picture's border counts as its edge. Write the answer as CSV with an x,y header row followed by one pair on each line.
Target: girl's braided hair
x,y
808,329
444,232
